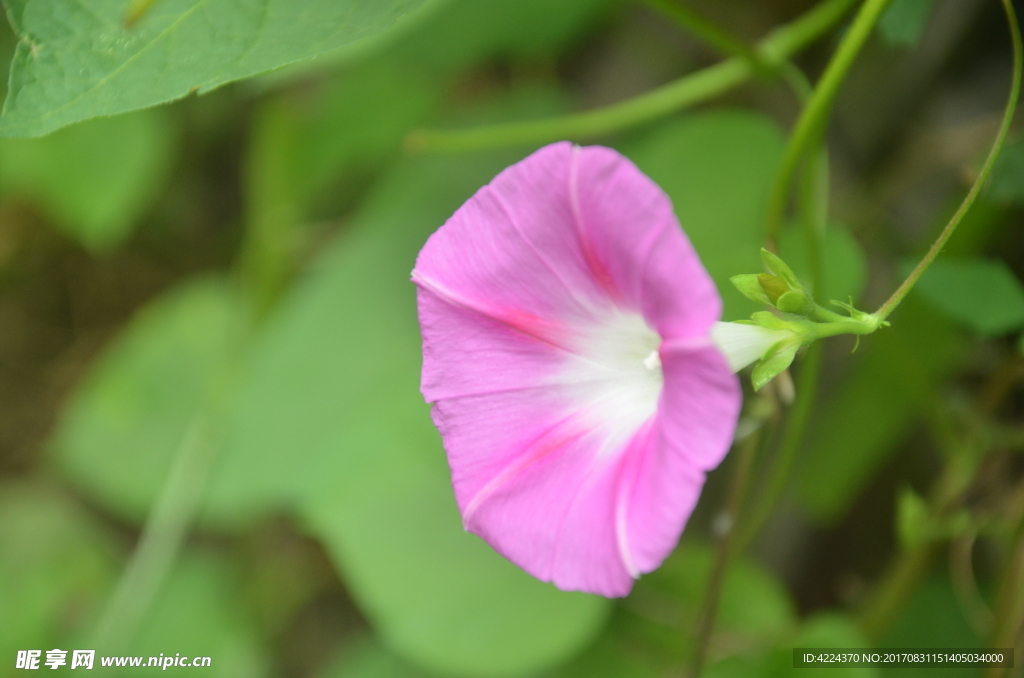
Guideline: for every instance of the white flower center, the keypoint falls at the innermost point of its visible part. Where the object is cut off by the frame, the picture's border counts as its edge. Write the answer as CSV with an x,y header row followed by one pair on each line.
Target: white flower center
x,y
615,376
653,361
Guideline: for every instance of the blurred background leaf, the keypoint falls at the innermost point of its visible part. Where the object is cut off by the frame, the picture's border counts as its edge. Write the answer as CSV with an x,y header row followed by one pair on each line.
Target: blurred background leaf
x,y
982,294
904,21
118,437
200,613
823,630
438,595
57,564
365,658
893,381
1007,182
93,180
933,616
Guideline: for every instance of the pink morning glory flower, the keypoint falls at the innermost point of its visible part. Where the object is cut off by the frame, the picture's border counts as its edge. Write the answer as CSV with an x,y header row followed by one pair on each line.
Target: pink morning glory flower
x,y
573,357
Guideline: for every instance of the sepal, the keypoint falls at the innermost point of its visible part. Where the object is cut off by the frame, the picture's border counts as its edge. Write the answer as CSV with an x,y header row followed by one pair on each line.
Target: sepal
x,y
771,367
749,286
779,268
780,288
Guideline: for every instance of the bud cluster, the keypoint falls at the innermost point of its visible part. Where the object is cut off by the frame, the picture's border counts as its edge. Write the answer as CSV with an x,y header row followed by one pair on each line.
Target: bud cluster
x,y
799,319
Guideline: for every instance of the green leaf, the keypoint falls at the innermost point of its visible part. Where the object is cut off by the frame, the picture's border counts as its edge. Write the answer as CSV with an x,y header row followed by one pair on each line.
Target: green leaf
x,y
118,435
77,61
896,373
718,168
363,657
844,266
754,606
819,631
903,21
199,613
1007,181
441,596
92,180
823,630
933,618
982,294
612,655
56,566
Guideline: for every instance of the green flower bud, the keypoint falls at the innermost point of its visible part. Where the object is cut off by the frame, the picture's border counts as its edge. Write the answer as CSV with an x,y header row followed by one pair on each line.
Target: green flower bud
x,y
750,287
795,301
779,268
773,286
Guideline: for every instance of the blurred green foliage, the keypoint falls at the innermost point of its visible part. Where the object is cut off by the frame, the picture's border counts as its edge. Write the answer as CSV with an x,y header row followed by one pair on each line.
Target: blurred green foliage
x,y
121,431
56,566
982,294
1007,182
199,613
94,180
893,382
291,333
904,21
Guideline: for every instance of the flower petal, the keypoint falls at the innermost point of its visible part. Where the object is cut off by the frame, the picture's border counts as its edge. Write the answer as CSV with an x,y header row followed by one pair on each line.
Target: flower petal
x,y
630,225
541,486
567,233
538,302
696,419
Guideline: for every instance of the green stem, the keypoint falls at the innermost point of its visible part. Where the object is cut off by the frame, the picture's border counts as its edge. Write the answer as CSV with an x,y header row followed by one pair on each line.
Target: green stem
x,y
1018,57
733,505
686,91
814,211
1010,615
815,113
161,539
897,586
893,591
844,326
782,465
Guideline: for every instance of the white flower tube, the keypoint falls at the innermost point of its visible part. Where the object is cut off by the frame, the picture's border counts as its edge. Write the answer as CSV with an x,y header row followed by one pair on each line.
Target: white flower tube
x,y
742,344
